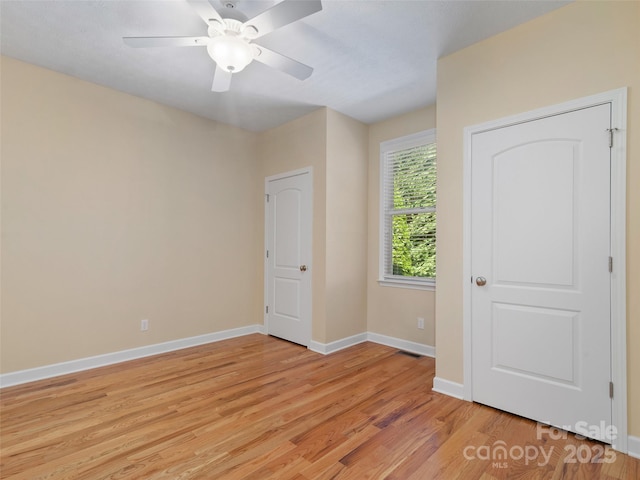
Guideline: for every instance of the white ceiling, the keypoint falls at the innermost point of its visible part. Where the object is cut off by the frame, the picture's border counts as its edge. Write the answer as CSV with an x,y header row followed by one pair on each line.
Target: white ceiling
x,y
372,59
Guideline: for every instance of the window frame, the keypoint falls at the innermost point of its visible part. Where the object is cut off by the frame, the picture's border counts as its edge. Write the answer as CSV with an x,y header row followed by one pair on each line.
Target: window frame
x,y
387,147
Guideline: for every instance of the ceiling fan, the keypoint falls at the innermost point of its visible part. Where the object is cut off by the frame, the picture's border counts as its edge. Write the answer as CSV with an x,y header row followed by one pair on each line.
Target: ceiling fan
x,y
231,35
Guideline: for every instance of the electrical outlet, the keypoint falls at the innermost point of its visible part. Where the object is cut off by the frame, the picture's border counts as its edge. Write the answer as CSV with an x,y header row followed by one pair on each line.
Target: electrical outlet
x,y
421,323
144,325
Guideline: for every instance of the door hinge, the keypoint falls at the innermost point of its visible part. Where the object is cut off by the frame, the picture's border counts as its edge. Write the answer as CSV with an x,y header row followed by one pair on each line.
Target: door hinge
x,y
610,264
610,389
267,195
267,253
266,309
611,130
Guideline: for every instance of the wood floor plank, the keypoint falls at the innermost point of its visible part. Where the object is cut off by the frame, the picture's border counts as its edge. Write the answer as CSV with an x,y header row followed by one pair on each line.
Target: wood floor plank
x,y
256,407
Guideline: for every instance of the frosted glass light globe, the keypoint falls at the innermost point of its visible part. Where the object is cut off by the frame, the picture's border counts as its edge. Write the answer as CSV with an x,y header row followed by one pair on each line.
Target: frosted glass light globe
x,y
230,53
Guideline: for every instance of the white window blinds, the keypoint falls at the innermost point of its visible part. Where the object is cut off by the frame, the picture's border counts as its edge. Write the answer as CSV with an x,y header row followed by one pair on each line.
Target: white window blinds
x,y
408,209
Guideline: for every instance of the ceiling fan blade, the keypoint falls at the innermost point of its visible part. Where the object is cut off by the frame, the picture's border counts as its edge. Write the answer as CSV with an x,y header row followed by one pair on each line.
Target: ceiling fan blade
x,y
221,80
144,42
285,64
282,14
204,9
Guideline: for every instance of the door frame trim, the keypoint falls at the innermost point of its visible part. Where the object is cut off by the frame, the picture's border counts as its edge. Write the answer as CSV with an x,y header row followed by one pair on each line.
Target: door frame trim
x,y
280,176
618,100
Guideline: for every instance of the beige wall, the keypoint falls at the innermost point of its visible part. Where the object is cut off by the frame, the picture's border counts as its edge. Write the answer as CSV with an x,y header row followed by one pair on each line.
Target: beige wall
x,y
581,49
116,209
393,311
346,232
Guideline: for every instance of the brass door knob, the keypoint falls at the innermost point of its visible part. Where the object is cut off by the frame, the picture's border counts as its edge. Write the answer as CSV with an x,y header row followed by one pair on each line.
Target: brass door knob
x,y
481,281
303,268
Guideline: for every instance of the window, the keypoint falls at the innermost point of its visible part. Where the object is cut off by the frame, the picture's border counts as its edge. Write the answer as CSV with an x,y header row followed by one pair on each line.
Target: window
x,y
408,211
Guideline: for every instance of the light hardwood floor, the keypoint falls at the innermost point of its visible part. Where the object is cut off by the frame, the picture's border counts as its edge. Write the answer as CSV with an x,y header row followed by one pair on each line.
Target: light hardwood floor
x,y
261,408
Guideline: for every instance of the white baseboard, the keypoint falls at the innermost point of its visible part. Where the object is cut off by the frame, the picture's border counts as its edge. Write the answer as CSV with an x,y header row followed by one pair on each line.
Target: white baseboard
x,y
48,371
448,387
406,345
633,446
326,348
73,366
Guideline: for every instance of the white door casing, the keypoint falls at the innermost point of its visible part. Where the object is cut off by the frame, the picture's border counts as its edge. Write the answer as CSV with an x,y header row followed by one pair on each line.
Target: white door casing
x,y
539,334
288,225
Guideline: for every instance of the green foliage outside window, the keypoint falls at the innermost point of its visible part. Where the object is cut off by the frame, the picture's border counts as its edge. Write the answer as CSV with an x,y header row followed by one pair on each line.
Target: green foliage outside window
x,y
413,216
414,248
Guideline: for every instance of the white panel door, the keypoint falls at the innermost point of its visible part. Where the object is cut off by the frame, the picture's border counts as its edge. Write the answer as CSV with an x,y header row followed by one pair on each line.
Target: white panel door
x,y
540,240
289,221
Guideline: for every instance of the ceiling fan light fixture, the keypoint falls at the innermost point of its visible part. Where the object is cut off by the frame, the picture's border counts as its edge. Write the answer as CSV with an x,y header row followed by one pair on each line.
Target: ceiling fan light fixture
x,y
230,37
230,53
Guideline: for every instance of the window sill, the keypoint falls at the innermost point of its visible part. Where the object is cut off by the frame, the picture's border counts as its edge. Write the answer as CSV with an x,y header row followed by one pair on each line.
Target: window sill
x,y
412,284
